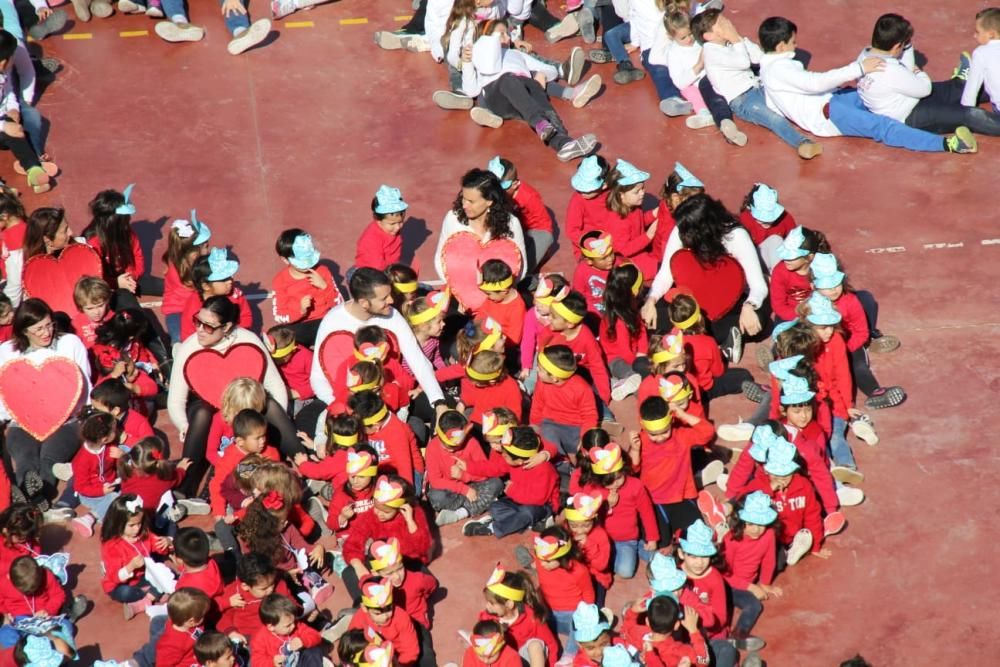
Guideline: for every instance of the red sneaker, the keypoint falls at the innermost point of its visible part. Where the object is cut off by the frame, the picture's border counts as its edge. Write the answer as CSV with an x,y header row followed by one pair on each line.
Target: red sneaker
x,y
834,523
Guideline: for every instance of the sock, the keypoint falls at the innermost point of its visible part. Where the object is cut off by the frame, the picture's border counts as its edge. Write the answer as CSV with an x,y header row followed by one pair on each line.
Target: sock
x,y
179,18
462,513
239,31
569,92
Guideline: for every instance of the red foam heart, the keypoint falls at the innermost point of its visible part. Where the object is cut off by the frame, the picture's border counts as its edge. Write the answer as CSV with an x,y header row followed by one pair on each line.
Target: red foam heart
x,y
52,279
336,355
23,382
717,287
461,257
208,372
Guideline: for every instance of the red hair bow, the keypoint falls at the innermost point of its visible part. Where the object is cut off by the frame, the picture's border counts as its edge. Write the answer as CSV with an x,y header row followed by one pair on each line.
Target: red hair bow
x,y
156,454
274,501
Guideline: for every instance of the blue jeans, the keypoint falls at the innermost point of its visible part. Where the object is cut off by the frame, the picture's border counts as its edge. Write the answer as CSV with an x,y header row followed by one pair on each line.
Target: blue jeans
x,y
564,626
660,75
173,321
627,555
750,610
722,652
127,593
172,8
509,517
235,21
752,107
840,451
565,438
146,656
615,41
98,505
849,114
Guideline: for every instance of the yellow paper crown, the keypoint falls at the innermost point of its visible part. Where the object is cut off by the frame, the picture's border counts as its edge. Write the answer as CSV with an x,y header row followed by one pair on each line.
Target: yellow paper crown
x,y
657,425
597,247
437,303
389,493
361,464
376,655
493,332
495,585
606,460
673,389
345,440
486,647
371,352
384,554
497,286
453,437
408,287
551,548
684,325
492,426
507,442
582,507
376,594
552,369
544,292
482,377
671,347
355,384
377,417
282,352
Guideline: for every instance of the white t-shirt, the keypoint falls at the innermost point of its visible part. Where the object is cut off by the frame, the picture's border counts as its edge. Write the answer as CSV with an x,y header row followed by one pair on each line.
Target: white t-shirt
x,y
728,67
895,90
983,71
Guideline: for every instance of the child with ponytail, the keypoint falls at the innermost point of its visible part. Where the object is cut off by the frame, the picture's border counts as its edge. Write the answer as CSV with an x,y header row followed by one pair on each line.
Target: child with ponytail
x,y
622,333
188,240
513,601
714,379
147,472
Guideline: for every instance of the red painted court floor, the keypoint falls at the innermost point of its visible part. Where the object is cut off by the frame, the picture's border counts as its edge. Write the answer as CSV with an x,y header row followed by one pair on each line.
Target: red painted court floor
x,y
302,131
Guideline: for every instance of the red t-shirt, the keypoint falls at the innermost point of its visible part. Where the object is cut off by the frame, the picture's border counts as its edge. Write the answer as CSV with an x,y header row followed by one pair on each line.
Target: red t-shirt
x,y
531,209
590,282
665,467
583,215
571,403
788,290
111,273
504,394
266,646
175,292
706,359
563,589
510,317
378,249
288,293
399,630
295,372
589,356
623,346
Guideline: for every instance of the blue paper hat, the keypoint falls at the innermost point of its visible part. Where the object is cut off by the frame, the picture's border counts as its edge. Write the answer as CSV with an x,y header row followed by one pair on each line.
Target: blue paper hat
x,y
629,174
222,267
795,390
389,200
202,232
765,206
757,509
781,327
495,167
55,563
780,368
821,311
304,253
825,274
617,656
41,653
761,440
781,458
588,176
791,248
667,577
589,622
688,180
698,540
127,207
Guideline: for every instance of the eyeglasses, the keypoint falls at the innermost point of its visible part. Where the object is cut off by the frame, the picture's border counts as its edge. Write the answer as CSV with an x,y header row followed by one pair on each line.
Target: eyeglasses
x,y
201,324
41,328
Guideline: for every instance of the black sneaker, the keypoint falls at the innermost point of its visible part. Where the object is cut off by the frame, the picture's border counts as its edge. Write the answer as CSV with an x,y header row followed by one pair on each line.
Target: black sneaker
x,y
539,526
753,391
732,349
32,484
627,73
478,528
78,607
885,397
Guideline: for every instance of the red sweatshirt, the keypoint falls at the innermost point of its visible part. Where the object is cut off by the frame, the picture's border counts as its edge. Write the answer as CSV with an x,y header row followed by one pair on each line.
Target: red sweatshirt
x,y
834,370
525,627
531,209
504,394
176,647
246,619
266,646
16,550
628,236
634,626
135,426
623,346
569,404
797,509
413,595
706,359
854,322
91,471
670,652
537,486
295,372
664,227
596,552
116,553
589,355
224,468
151,488
209,580
811,445
665,467
333,468
508,658
86,329
399,630
759,233
415,546
193,305
509,315
175,292
563,589
378,249
49,599
397,449
111,273
711,591
286,303
633,507
590,282
440,459
583,215
361,503
788,290
750,561
651,387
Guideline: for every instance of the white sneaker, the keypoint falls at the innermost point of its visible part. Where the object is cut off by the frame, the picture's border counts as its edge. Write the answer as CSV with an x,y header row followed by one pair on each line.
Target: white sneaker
x,y
57,515
249,38
169,31
154,12
847,475
587,91
732,133
865,430
699,120
565,28
735,432
195,506
710,473
849,496
722,481
485,117
801,544
446,517
129,7
452,101
622,389
63,471
416,44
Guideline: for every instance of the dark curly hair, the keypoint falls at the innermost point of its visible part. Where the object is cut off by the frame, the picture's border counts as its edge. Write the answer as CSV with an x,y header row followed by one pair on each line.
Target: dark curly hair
x,y
702,223
261,530
499,214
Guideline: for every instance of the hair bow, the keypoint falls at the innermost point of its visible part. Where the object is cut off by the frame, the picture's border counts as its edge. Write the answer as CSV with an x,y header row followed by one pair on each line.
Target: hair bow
x,y
156,455
273,501
183,228
134,505
127,207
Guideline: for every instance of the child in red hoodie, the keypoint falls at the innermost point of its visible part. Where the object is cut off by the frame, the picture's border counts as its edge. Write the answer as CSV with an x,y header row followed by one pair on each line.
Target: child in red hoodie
x,y
563,580
196,569
563,406
412,588
487,385
513,602
304,291
767,222
391,438
581,515
282,635
186,611
95,472
790,284
566,329
539,230
750,550
146,472
696,551
380,614
380,244
503,304
256,578
622,333
590,278
27,590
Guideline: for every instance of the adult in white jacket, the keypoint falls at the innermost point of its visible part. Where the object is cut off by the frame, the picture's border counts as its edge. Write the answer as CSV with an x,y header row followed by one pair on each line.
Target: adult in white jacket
x,y
904,92
814,101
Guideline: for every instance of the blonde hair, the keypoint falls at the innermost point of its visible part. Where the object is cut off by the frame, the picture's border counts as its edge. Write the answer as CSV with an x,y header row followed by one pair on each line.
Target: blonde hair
x,y
675,18
242,394
278,477
486,361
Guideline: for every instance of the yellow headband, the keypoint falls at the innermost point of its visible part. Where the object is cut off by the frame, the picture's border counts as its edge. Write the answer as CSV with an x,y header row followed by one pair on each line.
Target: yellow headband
x,y
552,369
491,337
487,646
689,322
562,549
492,426
389,554
657,425
582,507
683,391
437,301
637,285
602,247
345,440
498,286
406,288
365,386
447,439
482,377
361,355
520,451
377,417
506,592
282,352
381,595
560,308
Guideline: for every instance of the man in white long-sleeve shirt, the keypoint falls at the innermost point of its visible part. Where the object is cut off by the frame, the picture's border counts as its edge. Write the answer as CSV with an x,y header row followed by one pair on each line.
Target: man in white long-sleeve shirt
x,y
904,92
813,101
984,67
371,304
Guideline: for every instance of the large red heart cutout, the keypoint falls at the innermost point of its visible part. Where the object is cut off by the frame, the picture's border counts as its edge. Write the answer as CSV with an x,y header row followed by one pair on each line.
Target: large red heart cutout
x,y
208,371
24,383
717,287
52,279
461,257
338,348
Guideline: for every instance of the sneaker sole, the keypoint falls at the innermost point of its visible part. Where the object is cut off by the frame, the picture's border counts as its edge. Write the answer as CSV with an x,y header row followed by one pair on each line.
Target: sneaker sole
x,y
587,30
698,121
452,101
731,433
591,88
566,28
752,391
485,118
891,398
255,34
195,508
673,108
576,62
82,9
711,472
171,32
833,523
101,10
965,135
582,147
764,356
795,554
846,475
388,40
599,56
884,345
737,348
629,386
732,133
808,151
865,432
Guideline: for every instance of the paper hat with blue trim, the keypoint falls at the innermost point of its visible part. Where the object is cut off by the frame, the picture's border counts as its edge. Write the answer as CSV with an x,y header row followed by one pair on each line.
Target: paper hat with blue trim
x,y
589,622
825,274
761,440
617,656
202,232
698,540
757,509
765,206
780,368
389,200
127,207
40,652
791,248
688,180
629,174
304,253
666,576
588,176
821,311
495,167
781,458
795,390
222,267
782,327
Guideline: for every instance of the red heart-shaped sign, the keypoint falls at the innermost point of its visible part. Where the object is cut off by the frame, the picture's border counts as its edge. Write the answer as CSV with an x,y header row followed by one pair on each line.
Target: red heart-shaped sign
x,y
23,383
52,279
338,348
208,372
717,287
461,257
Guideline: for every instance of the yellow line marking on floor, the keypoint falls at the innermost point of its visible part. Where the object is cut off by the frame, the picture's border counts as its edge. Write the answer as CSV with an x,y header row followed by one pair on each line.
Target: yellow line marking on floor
x,y
402,18
78,35
353,21
134,33
299,24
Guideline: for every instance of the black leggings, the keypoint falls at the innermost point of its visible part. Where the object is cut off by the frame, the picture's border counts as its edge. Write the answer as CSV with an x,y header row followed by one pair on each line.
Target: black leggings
x,y
28,454
513,96
674,518
716,103
541,17
415,26
863,375
730,382
21,149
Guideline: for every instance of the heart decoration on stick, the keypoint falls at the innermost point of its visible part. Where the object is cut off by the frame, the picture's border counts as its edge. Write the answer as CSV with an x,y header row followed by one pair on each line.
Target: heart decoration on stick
x,y
461,257
717,288
24,383
52,279
208,372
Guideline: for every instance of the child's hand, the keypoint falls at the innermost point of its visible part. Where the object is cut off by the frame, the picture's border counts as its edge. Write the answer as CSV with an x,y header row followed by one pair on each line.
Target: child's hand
x,y
472,495
537,460
136,563
306,303
407,512
823,553
237,601
870,65
456,471
295,644
774,591
115,453
126,282
117,370
316,280
163,543
307,442
318,556
690,620
523,374
300,458
346,514
467,54
109,488
650,546
230,7
634,442
854,413
758,592
184,463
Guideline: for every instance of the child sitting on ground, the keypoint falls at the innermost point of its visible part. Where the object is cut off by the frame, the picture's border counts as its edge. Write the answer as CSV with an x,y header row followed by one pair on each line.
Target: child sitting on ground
x,y
186,612
283,635
256,578
487,385
380,244
591,275
503,304
539,230
212,275
303,291
563,406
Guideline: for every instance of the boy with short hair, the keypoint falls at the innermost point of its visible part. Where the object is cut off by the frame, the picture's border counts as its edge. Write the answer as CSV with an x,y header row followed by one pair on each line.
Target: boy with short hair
x,y
565,329
814,101
381,244
256,578
389,436
487,385
198,570
380,614
984,65
113,397
282,634
214,649
503,303
304,291
27,590
591,275
186,611
661,647
250,432
92,297
563,406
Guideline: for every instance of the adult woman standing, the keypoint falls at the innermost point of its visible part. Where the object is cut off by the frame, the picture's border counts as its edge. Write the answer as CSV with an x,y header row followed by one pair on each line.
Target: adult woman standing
x,y
216,329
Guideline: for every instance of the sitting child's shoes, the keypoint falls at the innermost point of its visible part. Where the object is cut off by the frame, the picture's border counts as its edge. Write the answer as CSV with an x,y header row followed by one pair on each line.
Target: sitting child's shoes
x,y
84,525
169,31
249,38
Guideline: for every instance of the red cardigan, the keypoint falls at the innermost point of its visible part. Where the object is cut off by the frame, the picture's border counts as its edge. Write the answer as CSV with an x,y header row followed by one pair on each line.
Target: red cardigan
x,y
570,404
175,292
415,546
151,488
531,210
377,249
564,589
111,273
116,553
788,290
266,646
583,215
286,304
797,509
92,471
596,552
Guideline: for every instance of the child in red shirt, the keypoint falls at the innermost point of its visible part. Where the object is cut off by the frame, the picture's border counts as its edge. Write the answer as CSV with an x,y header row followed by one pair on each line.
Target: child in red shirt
x,y
212,275
92,297
587,207
412,588
590,278
631,228
13,230
282,635
622,333
20,525
565,329
380,244
667,355
256,578
539,232
665,644
303,291
707,365
598,645
488,386
197,569
340,432
28,589
95,472
563,580
380,614
294,362
563,406
452,491
750,550
250,434
146,472
186,611
188,240
581,515
503,304
391,438
513,602
766,220
488,646
353,497
113,397
790,284
695,551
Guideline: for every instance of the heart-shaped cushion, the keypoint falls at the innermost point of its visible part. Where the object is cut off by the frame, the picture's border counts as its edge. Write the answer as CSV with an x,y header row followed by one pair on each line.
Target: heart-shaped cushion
x,y
717,287
336,355
208,371
461,257
52,279
22,384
